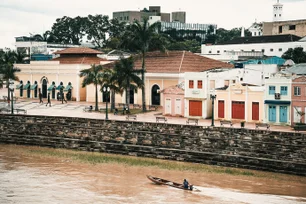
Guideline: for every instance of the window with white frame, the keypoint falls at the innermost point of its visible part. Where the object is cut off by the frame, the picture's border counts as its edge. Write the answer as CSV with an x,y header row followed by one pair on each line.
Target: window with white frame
x,y
297,91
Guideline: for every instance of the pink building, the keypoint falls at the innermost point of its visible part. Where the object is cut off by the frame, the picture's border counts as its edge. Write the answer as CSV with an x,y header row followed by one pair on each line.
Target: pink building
x,y
298,99
173,101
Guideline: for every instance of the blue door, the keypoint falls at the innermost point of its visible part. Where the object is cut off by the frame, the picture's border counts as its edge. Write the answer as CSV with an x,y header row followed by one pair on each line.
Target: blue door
x,y
272,113
283,114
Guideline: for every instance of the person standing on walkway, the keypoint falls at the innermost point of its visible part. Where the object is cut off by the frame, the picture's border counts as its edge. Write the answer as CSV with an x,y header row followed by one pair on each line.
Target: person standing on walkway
x,y
62,95
40,97
49,100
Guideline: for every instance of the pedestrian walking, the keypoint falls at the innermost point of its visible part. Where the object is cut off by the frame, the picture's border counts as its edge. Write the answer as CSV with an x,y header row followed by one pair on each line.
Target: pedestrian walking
x,y
40,97
63,96
49,100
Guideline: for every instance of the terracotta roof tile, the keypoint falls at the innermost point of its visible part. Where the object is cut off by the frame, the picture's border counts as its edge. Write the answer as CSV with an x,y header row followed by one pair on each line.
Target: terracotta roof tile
x,y
173,90
79,60
78,50
179,62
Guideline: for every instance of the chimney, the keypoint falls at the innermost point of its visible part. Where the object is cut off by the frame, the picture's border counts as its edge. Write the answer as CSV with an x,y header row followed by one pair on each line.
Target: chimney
x,y
242,32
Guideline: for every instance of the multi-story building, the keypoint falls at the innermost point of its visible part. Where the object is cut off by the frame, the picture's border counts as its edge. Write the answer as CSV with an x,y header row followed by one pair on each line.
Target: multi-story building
x,y
280,27
200,29
278,99
272,45
130,16
298,106
199,86
179,16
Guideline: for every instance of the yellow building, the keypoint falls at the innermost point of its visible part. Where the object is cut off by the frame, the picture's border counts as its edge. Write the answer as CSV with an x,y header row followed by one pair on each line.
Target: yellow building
x,y
162,70
240,102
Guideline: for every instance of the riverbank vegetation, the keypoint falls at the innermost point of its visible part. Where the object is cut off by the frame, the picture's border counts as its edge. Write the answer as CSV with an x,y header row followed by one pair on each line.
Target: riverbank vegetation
x,y
96,158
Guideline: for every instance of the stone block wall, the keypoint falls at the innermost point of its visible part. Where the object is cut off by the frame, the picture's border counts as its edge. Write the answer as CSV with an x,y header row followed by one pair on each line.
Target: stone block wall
x,y
283,152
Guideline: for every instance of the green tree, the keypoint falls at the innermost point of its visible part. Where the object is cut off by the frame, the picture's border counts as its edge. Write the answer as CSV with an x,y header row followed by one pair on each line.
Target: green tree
x,y
96,28
127,76
297,55
69,30
139,37
223,35
110,79
7,69
93,75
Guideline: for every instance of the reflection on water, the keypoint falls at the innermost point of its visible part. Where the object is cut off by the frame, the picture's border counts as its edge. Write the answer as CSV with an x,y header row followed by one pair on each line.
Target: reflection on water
x,y
28,179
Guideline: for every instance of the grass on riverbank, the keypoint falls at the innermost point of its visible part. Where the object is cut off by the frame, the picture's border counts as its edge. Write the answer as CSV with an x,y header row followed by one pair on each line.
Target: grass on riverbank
x,y
101,158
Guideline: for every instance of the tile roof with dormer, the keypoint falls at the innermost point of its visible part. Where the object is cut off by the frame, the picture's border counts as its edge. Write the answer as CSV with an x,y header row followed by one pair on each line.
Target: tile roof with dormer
x,y
78,55
178,62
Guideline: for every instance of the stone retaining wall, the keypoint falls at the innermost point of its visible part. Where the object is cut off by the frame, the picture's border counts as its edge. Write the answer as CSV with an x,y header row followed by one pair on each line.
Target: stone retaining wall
x,y
254,149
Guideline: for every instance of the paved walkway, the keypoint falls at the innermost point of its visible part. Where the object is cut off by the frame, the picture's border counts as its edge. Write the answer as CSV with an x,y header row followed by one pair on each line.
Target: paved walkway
x,y
75,109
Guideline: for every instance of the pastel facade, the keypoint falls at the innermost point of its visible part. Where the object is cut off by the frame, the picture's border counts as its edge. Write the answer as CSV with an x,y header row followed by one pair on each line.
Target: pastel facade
x,y
240,102
298,94
278,95
199,86
173,101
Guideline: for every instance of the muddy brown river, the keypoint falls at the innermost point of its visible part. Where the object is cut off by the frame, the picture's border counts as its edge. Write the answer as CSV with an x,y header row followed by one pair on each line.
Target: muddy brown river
x,y
38,179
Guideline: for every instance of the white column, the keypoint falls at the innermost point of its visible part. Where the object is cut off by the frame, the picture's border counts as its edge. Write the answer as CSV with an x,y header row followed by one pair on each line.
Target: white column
x,y
78,85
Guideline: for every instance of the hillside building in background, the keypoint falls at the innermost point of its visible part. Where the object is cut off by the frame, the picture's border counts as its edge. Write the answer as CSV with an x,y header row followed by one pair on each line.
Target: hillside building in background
x,y
177,20
279,26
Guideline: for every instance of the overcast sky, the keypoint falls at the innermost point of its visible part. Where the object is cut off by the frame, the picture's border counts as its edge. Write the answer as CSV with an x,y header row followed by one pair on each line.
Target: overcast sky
x,y
21,17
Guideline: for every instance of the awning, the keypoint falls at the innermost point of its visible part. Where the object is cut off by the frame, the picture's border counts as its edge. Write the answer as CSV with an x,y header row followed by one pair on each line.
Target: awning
x,y
18,86
51,87
277,102
59,87
68,87
26,86
33,86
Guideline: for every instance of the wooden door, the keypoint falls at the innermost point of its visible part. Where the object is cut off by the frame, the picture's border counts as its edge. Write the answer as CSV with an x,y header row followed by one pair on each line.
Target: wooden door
x,y
195,108
238,110
178,106
168,106
255,111
220,109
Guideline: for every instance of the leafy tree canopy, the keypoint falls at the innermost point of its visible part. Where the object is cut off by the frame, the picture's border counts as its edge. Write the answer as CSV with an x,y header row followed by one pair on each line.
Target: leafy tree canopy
x,y
297,55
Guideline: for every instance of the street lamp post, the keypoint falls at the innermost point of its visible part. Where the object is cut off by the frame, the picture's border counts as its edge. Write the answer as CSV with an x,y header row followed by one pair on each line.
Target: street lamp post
x,y
106,91
11,89
212,98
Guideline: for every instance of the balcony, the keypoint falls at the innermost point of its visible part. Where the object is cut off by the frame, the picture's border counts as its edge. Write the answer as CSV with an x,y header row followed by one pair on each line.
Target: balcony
x,y
277,96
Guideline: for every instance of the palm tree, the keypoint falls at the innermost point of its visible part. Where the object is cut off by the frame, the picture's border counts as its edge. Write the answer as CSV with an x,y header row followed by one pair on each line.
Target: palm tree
x,y
139,37
93,75
127,77
8,72
110,78
7,69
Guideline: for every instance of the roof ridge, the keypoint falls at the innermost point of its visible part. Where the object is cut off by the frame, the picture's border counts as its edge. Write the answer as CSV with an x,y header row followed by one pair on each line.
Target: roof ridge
x,y
183,56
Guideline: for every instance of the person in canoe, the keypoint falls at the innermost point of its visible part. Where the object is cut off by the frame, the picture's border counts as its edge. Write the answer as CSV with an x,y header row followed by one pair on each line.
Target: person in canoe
x,y
186,185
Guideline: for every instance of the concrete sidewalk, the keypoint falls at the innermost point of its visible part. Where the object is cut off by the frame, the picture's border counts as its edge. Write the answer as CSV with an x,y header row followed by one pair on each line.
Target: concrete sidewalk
x,y
75,109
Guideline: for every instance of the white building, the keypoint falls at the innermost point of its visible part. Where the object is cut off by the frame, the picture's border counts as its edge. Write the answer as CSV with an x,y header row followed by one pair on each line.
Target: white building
x,y
274,45
277,11
256,29
199,85
278,100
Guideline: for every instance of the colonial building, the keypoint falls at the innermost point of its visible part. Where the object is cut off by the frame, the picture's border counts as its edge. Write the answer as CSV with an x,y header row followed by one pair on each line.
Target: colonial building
x,y
50,76
278,99
253,47
298,94
199,87
240,102
174,103
162,70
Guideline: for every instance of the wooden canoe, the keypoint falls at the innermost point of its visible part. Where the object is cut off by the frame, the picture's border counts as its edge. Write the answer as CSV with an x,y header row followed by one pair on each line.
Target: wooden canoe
x,y
161,181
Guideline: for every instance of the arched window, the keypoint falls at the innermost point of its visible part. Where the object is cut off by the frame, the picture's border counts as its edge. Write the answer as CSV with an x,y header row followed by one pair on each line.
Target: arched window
x,y
44,88
29,89
155,95
34,87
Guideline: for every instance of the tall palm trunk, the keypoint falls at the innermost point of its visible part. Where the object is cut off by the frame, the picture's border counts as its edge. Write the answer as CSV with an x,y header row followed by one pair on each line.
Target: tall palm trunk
x,y
8,89
113,98
144,107
127,99
96,108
